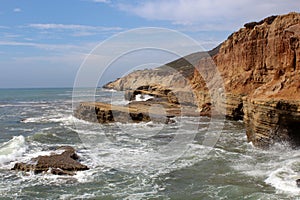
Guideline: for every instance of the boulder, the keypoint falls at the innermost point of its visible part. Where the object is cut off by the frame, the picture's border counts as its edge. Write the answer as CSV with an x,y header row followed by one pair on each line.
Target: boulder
x,y
62,163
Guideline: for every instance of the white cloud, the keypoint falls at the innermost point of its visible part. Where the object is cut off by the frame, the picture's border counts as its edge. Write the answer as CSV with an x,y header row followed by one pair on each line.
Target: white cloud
x,y
10,35
101,1
50,47
72,58
209,14
17,10
73,27
77,30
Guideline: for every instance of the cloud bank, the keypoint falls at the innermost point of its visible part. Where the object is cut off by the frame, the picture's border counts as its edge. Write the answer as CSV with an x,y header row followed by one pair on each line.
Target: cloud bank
x,y
209,14
73,27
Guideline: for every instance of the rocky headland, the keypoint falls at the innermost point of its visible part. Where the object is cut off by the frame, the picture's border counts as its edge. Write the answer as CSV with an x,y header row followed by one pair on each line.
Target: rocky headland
x,y
259,66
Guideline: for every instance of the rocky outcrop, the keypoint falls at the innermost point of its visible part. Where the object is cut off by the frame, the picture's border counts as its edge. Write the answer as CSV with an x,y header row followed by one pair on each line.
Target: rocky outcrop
x,y
165,77
175,75
259,67
263,61
161,108
158,92
62,162
137,112
270,121
154,90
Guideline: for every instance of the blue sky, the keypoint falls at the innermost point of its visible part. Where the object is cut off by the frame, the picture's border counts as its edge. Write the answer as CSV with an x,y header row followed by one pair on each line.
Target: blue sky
x,y
43,43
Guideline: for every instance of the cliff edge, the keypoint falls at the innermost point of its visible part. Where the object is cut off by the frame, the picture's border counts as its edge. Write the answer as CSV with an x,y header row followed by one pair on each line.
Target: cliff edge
x,y
260,68
260,65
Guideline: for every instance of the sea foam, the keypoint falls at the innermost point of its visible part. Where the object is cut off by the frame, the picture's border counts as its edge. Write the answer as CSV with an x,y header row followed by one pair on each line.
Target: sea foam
x,y
12,149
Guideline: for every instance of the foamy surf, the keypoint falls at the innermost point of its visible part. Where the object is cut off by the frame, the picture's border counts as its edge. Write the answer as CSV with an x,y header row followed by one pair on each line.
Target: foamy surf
x,y
284,180
11,150
67,119
141,97
125,160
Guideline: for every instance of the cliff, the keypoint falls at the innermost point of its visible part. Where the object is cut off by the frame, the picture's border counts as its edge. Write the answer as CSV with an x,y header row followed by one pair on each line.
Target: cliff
x,y
175,74
260,70
260,65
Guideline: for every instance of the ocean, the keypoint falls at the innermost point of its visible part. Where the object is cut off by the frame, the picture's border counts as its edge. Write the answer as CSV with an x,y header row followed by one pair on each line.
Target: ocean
x,y
136,161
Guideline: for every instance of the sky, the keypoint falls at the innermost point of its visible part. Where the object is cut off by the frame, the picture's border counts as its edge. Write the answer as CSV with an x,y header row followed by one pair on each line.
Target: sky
x,y
45,43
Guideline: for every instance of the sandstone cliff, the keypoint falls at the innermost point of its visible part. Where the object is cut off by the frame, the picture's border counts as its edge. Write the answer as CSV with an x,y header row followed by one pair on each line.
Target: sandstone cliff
x,y
175,75
260,70
260,65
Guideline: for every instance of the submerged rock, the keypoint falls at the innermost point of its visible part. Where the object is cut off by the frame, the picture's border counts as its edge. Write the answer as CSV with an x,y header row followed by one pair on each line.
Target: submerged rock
x,y
62,162
298,182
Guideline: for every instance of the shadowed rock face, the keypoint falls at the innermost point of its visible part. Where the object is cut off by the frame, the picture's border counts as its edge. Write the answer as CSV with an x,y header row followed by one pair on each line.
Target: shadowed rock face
x,y
272,121
63,163
268,20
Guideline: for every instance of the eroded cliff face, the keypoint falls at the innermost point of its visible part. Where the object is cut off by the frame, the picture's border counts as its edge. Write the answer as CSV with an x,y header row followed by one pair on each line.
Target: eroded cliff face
x,y
166,77
175,74
264,60
259,66
268,121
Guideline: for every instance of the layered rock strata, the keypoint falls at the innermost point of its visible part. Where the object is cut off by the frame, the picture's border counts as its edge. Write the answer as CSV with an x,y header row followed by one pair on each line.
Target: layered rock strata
x,y
161,108
270,121
260,65
260,69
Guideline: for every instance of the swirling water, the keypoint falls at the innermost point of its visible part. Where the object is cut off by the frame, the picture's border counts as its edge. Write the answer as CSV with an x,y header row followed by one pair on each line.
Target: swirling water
x,y
124,159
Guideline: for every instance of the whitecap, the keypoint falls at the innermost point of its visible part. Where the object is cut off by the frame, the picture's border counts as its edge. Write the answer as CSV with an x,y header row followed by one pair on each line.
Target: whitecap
x,y
284,180
34,120
143,97
11,150
65,119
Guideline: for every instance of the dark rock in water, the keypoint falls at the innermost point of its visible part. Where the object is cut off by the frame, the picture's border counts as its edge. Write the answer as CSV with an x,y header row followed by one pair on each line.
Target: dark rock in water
x,y
298,182
62,163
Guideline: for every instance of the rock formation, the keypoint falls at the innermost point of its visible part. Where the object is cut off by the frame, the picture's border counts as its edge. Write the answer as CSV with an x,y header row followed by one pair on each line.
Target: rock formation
x,y
142,111
260,65
260,70
175,74
62,163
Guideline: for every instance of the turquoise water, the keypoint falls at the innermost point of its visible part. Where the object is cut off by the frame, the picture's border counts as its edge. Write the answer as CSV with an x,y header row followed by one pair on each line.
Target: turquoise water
x,y
126,160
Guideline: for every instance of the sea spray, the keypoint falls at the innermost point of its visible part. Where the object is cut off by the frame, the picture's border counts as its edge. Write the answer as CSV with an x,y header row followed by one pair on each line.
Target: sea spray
x,y
9,151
